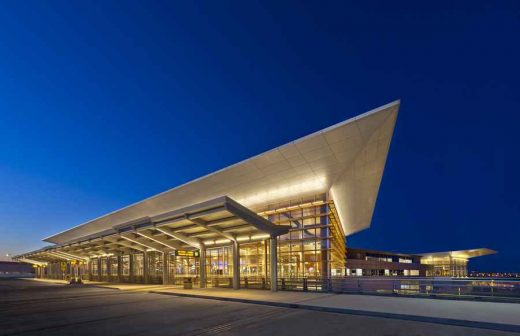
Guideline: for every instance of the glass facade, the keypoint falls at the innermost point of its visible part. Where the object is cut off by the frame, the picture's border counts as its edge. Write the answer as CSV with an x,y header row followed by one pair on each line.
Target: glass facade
x,y
113,266
184,266
125,265
313,249
253,259
155,267
447,266
138,268
315,244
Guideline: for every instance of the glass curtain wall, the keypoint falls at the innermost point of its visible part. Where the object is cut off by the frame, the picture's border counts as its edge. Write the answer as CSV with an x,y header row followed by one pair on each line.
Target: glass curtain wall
x,y
94,268
125,267
446,266
113,268
138,268
459,267
104,269
184,266
314,248
219,266
253,264
155,267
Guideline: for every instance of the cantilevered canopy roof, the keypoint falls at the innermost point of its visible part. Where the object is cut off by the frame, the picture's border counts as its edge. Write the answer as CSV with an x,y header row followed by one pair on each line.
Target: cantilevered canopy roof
x,y
346,159
463,254
212,223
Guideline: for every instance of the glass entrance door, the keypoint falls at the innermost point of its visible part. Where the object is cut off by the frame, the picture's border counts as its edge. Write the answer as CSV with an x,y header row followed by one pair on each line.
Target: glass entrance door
x,y
181,267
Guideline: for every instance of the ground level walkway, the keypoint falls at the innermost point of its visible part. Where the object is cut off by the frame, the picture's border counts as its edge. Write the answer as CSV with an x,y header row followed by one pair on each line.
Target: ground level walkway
x,y
488,315
30,308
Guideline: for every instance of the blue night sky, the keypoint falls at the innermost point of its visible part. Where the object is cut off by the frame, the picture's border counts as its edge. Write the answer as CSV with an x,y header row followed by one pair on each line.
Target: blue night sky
x,y
105,103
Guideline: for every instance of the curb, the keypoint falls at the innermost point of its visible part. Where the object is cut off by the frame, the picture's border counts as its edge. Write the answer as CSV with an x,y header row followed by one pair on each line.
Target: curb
x,y
426,319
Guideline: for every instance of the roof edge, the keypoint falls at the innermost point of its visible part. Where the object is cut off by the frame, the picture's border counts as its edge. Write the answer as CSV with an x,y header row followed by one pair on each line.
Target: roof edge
x,y
51,239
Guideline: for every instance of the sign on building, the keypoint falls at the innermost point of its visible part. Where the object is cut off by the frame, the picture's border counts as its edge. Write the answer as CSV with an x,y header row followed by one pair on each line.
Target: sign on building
x,y
181,253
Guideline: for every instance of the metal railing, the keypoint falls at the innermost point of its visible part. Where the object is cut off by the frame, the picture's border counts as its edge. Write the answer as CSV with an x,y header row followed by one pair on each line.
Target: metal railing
x,y
406,286
468,287
430,287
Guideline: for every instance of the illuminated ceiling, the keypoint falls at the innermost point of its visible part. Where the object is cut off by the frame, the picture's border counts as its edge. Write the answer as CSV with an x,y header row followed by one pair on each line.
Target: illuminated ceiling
x,y
462,254
214,223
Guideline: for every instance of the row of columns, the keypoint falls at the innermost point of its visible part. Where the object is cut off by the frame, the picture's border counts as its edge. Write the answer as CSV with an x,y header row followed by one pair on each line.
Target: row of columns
x,y
270,243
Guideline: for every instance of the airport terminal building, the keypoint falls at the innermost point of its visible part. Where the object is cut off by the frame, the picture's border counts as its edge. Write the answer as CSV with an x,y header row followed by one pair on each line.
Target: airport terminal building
x,y
278,218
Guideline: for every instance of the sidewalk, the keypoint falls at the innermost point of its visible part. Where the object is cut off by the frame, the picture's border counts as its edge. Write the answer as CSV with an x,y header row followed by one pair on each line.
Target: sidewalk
x,y
111,285
487,315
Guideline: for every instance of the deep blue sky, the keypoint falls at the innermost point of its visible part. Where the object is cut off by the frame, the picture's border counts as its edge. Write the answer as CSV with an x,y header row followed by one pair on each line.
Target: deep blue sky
x,y
105,103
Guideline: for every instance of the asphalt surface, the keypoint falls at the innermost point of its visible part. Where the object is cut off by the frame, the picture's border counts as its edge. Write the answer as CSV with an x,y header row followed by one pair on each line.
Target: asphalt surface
x,y
35,308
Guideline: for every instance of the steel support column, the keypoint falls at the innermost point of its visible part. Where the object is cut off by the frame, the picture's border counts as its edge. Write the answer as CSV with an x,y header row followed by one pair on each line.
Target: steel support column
x,y
274,263
266,260
120,268
89,269
145,268
99,272
236,265
131,267
166,261
109,268
202,263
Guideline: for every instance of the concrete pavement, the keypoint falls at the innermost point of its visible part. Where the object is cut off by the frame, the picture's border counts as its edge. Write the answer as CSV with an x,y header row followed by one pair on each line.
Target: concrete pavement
x,y
40,308
488,315
492,315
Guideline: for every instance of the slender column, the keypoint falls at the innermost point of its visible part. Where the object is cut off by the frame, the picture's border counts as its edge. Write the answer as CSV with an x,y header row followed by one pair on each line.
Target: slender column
x,y
120,268
109,268
266,243
131,267
236,265
174,273
99,272
202,265
89,269
145,267
274,263
166,261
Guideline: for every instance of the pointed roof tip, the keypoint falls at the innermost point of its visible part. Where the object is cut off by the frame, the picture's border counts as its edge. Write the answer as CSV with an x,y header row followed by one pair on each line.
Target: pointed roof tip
x,y
393,103
396,102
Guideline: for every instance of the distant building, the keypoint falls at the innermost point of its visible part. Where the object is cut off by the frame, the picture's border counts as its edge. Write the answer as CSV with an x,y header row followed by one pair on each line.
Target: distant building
x,y
363,262
14,269
452,263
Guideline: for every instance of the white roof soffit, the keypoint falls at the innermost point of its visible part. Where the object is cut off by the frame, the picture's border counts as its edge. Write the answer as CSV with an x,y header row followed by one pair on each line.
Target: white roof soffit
x,y
346,159
464,254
